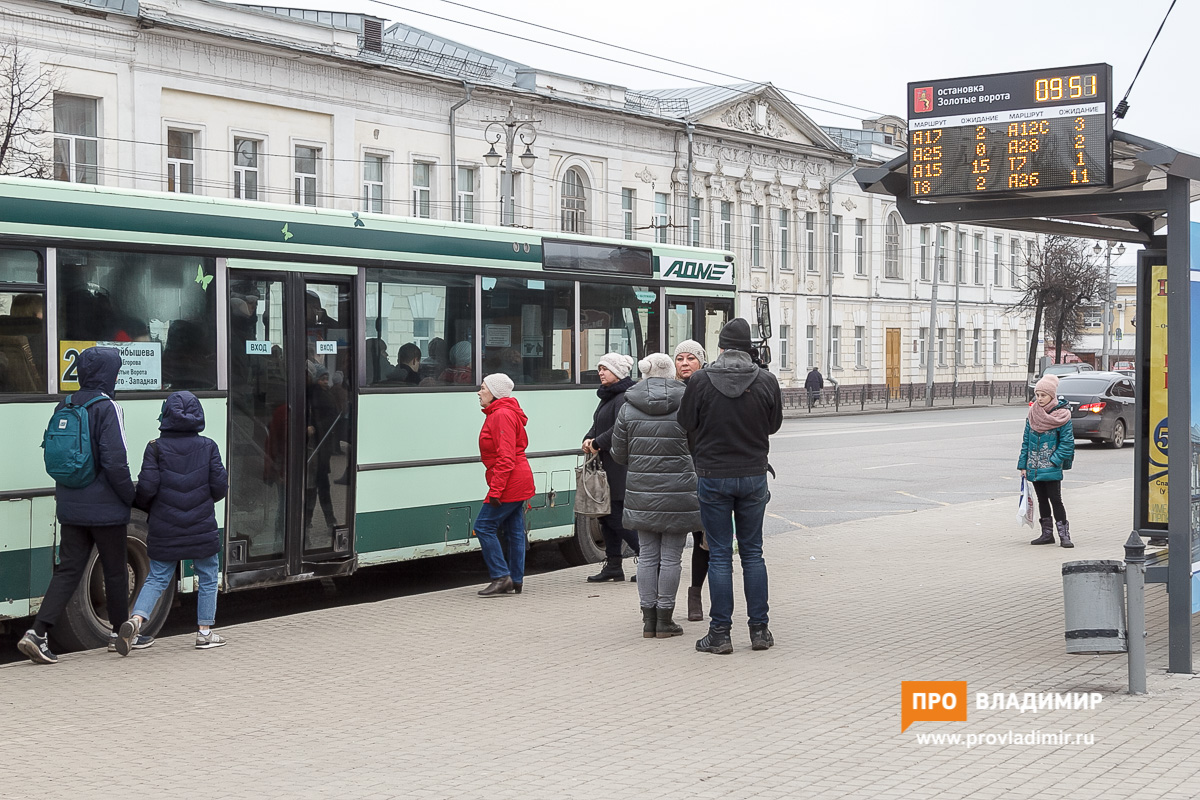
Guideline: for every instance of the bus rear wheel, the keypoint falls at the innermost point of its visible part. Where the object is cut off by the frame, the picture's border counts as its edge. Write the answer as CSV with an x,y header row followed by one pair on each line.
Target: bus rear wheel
x,y
84,624
587,546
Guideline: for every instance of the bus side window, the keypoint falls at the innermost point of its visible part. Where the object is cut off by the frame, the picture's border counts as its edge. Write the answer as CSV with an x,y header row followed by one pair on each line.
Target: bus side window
x,y
22,343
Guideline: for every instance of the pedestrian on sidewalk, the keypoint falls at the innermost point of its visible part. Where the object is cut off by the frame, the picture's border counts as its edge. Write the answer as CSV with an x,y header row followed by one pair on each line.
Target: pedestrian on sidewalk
x,y
502,443
95,514
689,358
730,409
613,369
1048,448
181,480
814,383
660,488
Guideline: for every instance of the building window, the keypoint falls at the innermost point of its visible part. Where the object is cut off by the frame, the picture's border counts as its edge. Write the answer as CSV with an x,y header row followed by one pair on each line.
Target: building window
x,y
891,247
1016,348
960,335
978,346
785,358
756,236
76,145
924,254
960,270
943,235
422,189
574,202
245,168
810,240
628,198
860,359
978,259
305,176
810,344
1091,317
726,225
996,347
783,239
921,345
661,216
997,273
1014,251
466,194
941,347
694,221
373,170
181,161
835,346
836,255
860,247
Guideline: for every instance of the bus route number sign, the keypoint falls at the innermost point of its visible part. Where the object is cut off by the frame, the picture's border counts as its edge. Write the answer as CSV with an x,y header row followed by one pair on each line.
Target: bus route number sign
x,y
1013,132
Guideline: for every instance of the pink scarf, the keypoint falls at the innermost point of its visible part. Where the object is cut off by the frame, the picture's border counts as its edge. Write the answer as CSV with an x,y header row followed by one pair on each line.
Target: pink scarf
x,y
1042,420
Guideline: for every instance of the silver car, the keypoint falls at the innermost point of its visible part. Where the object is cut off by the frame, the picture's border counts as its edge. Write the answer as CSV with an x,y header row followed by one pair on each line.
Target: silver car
x,y
1102,405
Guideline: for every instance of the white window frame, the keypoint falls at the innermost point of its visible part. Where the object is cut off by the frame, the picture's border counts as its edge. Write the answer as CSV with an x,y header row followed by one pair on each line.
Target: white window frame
x,y
836,255
997,359
997,272
941,347
238,190
72,141
977,261
297,193
810,345
810,240
662,216
198,139
756,259
423,196
785,334
860,355
726,225
1014,252
978,346
695,209
629,212
784,243
960,334
922,345
835,346
960,267
573,209
891,247
924,253
460,207
860,247
379,185
943,240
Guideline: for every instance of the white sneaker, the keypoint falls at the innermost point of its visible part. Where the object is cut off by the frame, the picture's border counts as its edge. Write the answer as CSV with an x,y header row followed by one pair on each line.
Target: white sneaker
x,y
207,641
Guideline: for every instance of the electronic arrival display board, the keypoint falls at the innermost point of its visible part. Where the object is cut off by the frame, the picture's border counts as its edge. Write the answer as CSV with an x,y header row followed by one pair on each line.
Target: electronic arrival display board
x,y
1010,132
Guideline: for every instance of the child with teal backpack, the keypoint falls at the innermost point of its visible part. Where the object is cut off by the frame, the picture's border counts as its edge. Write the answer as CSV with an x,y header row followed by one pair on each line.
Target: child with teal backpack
x,y
1048,448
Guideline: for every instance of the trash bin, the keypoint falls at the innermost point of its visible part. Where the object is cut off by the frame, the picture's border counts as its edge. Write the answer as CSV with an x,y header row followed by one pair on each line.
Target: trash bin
x,y
1094,606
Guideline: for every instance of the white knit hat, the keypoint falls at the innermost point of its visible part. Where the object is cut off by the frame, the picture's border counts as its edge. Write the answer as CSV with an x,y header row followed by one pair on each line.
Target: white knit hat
x,y
499,384
616,363
657,365
693,347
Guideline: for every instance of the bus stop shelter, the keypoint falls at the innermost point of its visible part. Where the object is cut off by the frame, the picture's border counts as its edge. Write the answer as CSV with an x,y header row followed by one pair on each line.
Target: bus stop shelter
x,y
1152,185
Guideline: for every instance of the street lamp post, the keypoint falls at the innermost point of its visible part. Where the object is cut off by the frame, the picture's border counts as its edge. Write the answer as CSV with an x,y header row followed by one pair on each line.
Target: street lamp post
x,y
509,130
1106,319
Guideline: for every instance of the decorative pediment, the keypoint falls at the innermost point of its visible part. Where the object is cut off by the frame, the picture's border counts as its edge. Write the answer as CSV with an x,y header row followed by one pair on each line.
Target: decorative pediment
x,y
766,112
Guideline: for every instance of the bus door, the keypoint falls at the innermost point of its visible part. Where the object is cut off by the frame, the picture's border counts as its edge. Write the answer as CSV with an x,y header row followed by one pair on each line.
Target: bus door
x,y
697,318
292,398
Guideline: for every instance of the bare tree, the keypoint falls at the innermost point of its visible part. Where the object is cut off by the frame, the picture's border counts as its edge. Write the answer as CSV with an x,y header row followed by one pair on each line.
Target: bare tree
x,y
26,105
1061,276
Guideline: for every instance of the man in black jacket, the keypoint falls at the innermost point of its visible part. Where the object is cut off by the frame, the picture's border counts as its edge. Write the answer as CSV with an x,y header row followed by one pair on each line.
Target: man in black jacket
x,y
730,409
94,514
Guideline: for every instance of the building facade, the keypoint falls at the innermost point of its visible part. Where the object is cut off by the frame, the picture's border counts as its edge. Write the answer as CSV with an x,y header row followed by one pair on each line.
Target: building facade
x,y
348,111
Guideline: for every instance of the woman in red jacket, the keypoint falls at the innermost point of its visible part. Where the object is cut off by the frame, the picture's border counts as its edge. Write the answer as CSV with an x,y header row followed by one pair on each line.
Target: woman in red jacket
x,y
502,444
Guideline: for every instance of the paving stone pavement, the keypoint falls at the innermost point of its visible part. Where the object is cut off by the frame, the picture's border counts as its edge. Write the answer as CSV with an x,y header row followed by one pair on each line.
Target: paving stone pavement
x,y
554,694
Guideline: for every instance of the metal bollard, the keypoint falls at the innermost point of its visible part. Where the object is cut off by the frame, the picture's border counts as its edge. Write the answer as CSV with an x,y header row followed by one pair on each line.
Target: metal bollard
x,y
1135,611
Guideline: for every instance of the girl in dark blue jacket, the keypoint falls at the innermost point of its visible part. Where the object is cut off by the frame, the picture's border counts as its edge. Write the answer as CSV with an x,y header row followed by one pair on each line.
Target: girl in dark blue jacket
x,y
182,477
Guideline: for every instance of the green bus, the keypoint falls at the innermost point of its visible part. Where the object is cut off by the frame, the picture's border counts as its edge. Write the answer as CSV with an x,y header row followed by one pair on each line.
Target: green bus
x,y
337,355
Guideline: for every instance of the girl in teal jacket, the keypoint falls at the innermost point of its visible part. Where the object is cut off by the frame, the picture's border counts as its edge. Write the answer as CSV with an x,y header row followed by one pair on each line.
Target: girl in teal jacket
x,y
1047,448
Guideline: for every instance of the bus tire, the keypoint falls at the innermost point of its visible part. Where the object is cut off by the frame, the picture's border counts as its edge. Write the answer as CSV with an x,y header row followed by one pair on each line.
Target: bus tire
x,y
587,545
83,625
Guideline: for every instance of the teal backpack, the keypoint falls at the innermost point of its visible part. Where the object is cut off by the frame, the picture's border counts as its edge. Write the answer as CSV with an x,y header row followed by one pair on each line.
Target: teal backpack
x,y
68,445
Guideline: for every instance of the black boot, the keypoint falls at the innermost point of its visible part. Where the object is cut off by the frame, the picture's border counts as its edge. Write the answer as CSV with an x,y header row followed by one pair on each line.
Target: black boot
x,y
666,626
649,623
695,608
717,641
1064,534
760,637
498,586
611,572
1047,536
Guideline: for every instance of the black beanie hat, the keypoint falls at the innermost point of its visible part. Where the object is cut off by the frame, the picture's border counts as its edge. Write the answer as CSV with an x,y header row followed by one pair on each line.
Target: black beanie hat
x,y
735,336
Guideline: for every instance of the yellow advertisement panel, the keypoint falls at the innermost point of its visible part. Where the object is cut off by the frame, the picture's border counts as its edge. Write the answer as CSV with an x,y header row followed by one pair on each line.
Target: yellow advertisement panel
x,y
1156,511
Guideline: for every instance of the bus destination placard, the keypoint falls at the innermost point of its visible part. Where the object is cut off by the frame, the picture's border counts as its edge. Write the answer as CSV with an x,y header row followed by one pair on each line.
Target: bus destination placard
x,y
1039,130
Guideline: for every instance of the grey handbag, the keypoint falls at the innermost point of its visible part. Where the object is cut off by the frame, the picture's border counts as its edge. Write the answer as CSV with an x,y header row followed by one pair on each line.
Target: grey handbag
x,y
592,498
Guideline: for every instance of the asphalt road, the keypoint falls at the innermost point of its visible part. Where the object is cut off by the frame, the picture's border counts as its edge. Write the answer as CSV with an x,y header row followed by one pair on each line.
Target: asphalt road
x,y
830,470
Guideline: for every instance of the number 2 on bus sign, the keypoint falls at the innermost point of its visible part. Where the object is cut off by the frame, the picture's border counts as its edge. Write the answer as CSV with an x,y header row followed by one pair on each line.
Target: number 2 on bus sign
x,y
68,364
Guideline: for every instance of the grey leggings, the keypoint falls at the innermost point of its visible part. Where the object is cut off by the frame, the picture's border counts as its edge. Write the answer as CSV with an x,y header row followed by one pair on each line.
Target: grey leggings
x,y
659,568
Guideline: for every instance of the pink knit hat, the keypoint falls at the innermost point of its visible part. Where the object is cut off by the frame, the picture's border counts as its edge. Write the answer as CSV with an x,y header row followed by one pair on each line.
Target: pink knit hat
x,y
1048,384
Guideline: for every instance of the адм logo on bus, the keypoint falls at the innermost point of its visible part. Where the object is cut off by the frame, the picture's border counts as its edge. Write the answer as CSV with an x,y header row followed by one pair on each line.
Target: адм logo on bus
x,y
697,270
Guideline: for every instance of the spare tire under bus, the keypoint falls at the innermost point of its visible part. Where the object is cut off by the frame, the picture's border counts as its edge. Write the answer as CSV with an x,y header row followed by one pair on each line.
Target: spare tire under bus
x,y
84,624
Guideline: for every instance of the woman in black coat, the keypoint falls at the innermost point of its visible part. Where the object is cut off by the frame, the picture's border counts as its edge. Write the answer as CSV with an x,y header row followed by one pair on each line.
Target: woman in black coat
x,y
614,381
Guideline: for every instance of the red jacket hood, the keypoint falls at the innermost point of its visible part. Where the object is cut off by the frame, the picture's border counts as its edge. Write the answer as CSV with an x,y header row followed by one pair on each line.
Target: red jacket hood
x,y
501,403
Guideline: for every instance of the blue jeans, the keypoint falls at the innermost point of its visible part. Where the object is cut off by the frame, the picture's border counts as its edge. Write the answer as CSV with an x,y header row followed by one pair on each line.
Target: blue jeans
x,y
160,577
727,504
508,558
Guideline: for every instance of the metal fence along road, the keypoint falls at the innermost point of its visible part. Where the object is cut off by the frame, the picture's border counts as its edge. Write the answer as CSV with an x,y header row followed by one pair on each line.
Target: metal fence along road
x,y
876,397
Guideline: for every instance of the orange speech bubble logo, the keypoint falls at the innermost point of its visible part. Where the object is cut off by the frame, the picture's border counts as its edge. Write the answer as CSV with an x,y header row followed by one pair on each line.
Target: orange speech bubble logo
x,y
932,701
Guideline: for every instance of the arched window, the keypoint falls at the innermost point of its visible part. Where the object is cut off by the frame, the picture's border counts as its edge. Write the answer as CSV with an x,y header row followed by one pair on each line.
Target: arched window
x,y
891,247
574,202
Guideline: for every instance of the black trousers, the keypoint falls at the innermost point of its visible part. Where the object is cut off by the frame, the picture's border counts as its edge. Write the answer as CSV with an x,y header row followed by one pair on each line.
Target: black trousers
x,y
74,549
615,534
699,560
1049,495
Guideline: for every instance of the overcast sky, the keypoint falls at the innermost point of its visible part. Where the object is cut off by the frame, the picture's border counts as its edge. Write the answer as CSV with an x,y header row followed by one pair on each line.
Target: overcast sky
x,y
861,53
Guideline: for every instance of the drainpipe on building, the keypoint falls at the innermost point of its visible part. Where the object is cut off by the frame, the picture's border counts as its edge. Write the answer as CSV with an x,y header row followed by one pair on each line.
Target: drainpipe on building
x,y
829,267
454,152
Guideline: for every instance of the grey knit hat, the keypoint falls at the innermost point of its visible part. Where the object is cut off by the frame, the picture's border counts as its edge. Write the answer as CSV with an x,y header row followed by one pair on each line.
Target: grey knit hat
x,y
693,347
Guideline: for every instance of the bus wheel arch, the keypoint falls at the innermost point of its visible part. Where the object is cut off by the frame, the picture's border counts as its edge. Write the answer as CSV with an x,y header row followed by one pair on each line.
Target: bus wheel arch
x,y
82,625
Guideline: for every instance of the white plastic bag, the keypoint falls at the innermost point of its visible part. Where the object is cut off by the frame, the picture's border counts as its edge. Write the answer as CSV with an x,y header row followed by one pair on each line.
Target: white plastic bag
x,y
1025,504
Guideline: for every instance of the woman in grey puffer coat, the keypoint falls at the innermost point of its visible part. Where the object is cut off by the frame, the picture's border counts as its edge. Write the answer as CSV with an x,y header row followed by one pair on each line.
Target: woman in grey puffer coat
x,y
660,490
